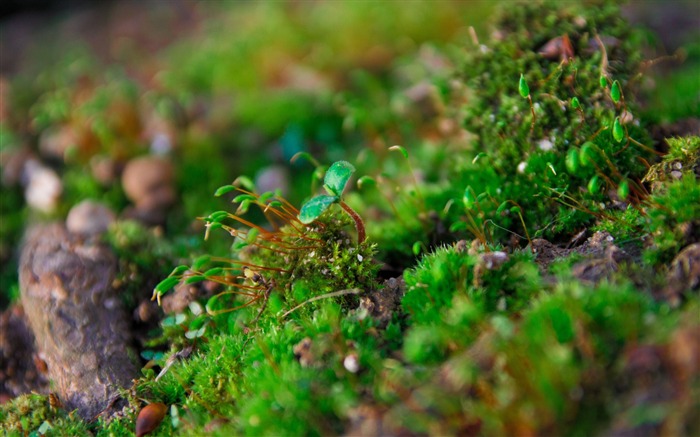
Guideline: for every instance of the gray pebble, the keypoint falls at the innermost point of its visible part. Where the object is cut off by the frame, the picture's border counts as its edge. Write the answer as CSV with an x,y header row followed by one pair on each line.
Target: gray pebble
x,y
89,218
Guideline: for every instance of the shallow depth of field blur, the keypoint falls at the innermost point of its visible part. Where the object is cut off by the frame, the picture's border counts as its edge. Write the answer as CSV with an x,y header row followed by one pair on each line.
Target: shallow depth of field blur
x,y
527,172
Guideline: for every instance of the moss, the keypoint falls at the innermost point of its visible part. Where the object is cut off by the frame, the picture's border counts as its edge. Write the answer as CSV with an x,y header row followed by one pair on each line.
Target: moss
x,y
528,154
483,341
32,414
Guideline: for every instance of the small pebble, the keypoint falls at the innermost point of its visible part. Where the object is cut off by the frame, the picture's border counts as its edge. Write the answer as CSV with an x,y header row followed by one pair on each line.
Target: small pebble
x,y
351,363
43,189
89,218
149,182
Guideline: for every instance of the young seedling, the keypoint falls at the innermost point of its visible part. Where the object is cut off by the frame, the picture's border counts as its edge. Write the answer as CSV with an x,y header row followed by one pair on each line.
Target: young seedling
x,y
335,181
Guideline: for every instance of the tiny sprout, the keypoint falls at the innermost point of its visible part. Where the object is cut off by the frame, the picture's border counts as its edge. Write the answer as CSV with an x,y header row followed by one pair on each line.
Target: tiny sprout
x,y
335,181
618,131
523,88
603,82
594,184
572,160
623,191
615,92
551,167
575,103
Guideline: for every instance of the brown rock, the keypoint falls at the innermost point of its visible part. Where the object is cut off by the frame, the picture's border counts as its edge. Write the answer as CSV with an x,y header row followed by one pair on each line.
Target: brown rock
x,y
149,182
77,318
18,356
684,274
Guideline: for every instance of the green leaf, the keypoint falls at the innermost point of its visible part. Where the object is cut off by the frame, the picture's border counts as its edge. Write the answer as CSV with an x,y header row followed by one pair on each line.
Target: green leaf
x,y
223,190
615,92
401,149
166,284
603,82
337,177
575,103
312,209
523,88
618,130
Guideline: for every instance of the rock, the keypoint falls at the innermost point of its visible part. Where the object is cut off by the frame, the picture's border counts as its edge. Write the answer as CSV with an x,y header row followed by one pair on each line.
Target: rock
x,y
303,352
77,318
89,218
104,169
149,182
683,275
13,162
382,303
56,141
19,372
595,270
44,187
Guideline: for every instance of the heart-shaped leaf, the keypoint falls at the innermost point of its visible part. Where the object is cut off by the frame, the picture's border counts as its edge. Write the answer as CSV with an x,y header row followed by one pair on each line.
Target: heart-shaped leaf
x,y
312,209
337,177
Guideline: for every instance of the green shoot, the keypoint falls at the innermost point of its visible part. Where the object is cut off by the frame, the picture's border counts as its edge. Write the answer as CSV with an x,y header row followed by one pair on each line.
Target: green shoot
x,y
335,181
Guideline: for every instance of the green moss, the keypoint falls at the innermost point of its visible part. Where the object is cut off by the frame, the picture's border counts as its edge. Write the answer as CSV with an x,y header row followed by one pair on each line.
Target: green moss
x,y
527,154
31,414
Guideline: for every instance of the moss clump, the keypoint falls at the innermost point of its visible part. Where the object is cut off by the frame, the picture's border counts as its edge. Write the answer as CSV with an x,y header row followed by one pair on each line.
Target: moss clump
x,y
544,147
33,414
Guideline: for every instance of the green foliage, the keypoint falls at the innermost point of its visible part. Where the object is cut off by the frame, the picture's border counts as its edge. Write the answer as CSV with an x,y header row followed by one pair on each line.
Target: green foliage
x,y
676,206
486,340
542,158
31,414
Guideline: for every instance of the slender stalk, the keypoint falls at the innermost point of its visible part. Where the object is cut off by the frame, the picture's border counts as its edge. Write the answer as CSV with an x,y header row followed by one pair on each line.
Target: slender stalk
x,y
359,224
